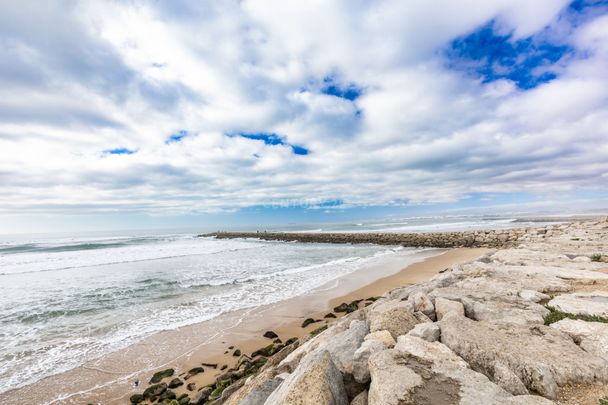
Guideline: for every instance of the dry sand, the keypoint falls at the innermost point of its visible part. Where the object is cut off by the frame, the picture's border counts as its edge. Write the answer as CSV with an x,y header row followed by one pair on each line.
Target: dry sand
x,y
111,379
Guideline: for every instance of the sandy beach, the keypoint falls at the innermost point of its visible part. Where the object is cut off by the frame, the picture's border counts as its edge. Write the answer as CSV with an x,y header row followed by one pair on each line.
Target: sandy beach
x,y
112,379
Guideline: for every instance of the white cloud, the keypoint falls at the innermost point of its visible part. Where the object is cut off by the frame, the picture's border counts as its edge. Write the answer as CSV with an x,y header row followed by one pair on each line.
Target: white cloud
x,y
79,78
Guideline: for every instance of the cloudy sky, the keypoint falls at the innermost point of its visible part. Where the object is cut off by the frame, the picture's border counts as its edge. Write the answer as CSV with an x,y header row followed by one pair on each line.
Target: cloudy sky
x,y
120,112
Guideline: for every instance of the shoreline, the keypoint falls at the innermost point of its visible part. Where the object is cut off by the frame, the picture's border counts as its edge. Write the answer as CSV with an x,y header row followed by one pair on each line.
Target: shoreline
x,y
101,381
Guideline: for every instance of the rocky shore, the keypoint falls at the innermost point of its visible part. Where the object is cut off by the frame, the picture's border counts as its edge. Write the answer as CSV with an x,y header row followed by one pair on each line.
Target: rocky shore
x,y
496,238
524,324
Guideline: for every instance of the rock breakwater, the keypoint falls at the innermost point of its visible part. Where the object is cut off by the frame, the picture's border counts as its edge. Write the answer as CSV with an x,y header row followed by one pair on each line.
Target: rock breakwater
x,y
497,238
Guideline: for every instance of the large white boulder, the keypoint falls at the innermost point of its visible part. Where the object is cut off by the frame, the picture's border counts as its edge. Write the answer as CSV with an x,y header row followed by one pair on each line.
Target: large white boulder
x,y
383,336
393,316
443,306
421,372
582,303
592,337
361,358
315,381
422,303
541,357
426,331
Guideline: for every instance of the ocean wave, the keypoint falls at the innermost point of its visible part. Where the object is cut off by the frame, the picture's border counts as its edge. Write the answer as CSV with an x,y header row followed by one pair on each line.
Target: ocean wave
x,y
34,262
84,244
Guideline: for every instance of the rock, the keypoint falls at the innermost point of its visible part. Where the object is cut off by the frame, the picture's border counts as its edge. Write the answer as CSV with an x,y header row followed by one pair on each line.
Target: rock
x,y
268,350
348,308
504,307
426,331
330,315
393,316
157,377
360,399
203,395
231,389
261,392
592,337
281,354
315,381
439,377
191,387
237,353
195,371
184,399
341,341
582,303
422,317
383,336
309,321
541,357
534,296
443,306
270,335
360,368
291,341
136,399
422,303
549,272
320,329
176,382
505,378
168,394
391,382
343,346
155,390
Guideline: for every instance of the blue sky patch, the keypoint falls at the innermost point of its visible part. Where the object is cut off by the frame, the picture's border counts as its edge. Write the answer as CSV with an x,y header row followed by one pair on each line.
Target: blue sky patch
x,y
491,56
349,92
582,11
119,151
268,138
298,150
177,136
581,5
274,139
331,203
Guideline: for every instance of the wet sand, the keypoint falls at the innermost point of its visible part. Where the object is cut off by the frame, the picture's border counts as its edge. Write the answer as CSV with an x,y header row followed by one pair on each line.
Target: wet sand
x,y
111,378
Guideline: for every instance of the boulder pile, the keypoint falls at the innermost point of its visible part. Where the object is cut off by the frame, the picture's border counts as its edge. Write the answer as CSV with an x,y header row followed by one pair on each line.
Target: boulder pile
x,y
496,238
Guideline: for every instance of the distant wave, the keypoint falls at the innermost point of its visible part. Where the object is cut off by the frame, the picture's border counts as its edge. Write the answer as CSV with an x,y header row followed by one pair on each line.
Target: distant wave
x,y
32,248
73,246
132,257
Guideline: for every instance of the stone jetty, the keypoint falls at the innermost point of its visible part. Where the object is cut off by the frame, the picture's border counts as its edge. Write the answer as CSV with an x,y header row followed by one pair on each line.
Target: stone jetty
x,y
496,238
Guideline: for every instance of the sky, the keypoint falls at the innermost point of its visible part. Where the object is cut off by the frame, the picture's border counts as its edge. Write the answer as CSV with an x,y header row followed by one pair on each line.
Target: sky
x,y
161,113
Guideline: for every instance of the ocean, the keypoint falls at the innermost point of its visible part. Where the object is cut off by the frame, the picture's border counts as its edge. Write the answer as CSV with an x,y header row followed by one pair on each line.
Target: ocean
x,y
66,299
